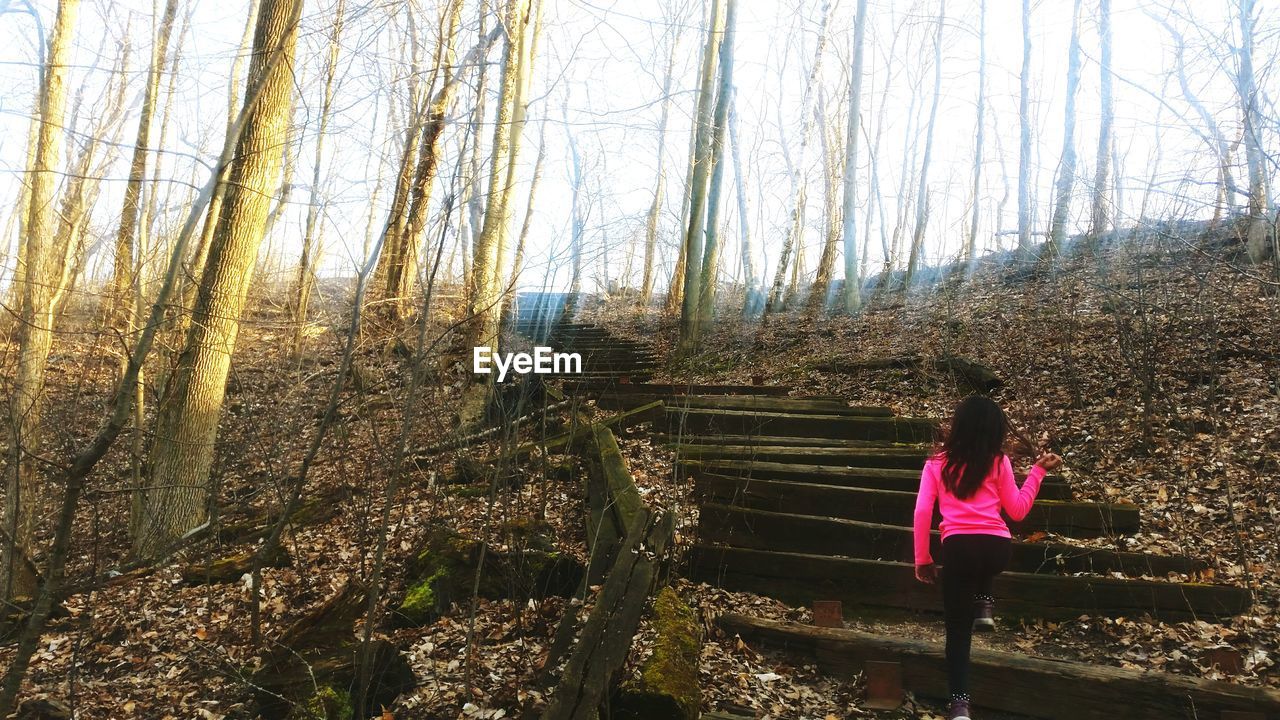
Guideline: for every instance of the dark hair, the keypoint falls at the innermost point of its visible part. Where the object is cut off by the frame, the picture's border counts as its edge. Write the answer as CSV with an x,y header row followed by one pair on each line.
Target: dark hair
x,y
971,447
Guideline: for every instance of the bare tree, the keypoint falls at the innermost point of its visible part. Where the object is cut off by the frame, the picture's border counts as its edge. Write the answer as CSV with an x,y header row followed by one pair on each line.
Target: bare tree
x,y
852,271
176,499
24,494
1024,135
796,227
1099,219
1260,232
1067,166
922,195
970,248
659,191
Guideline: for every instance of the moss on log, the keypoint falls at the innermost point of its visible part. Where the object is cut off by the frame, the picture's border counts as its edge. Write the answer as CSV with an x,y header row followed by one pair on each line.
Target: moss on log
x,y
668,683
444,566
231,567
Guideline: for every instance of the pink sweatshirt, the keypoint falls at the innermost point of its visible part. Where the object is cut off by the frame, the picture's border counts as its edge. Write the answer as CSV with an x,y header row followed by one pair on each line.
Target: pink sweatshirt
x,y
978,515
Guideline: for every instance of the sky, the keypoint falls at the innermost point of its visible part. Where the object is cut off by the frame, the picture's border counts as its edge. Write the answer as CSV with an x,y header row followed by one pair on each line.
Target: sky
x,y
598,85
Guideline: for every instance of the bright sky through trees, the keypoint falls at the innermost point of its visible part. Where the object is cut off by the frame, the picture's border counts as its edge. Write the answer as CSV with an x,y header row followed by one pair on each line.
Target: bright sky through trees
x,y
599,77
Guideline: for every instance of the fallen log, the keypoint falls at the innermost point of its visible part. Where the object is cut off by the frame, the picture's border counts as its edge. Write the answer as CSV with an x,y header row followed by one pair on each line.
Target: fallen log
x,y
612,501
310,671
444,568
566,441
668,683
231,567
785,441
895,507
764,530
800,578
606,637
1016,683
882,476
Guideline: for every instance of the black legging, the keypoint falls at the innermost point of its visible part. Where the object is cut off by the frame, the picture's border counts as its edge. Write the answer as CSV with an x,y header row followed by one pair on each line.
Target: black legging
x,y
969,562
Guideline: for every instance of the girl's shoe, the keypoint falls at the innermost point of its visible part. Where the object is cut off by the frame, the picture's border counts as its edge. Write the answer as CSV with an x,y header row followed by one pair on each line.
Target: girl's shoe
x,y
958,710
984,609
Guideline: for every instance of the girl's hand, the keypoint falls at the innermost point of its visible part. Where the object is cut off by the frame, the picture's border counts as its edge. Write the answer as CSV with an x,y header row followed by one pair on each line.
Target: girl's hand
x,y
927,574
1049,461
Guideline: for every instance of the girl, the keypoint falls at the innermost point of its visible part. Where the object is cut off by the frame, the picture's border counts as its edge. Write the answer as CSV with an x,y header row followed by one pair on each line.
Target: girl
x,y
971,479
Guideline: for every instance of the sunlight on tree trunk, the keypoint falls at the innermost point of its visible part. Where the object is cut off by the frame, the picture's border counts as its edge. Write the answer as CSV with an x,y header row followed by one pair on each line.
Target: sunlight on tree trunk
x,y
1100,217
177,498
852,295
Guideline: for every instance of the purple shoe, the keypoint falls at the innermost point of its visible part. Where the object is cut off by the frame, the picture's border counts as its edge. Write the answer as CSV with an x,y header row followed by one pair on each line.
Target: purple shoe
x,y
958,709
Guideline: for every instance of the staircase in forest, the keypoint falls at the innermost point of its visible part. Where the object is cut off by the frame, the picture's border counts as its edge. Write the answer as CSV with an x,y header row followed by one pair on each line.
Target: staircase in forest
x,y
811,498
544,318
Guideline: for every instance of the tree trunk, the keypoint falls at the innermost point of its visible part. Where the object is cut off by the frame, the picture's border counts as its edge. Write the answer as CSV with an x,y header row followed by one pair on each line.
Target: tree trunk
x,y
711,252
488,276
695,220
751,303
971,242
852,295
1260,231
655,208
833,203
1024,136
176,499
24,496
310,236
1067,171
1099,220
796,227
922,194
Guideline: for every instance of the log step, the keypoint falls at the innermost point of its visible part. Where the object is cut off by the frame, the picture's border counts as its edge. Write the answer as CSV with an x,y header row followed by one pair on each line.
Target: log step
x,y
667,389
1013,682
764,530
911,457
858,475
800,578
782,441
895,507
748,423
801,405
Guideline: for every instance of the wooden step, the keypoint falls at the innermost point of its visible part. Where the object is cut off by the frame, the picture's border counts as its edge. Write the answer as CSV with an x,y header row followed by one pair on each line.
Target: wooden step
x,y
800,578
1013,682
895,507
667,389
878,457
801,405
747,423
882,478
782,441
783,532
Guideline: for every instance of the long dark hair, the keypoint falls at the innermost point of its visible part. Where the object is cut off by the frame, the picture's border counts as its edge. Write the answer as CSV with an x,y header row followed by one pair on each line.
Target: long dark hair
x,y
976,439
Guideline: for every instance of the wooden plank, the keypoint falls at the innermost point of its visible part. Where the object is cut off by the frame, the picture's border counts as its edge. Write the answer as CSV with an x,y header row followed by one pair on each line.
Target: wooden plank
x,y
690,388
565,441
606,637
764,530
1016,683
731,422
912,457
800,578
895,507
883,477
802,405
780,441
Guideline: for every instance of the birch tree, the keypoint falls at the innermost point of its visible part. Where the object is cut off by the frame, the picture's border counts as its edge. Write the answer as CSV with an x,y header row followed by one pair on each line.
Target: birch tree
x,y
796,226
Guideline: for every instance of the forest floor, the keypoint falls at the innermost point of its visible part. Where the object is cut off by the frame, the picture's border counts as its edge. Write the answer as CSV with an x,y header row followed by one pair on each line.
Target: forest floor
x,y
1153,372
